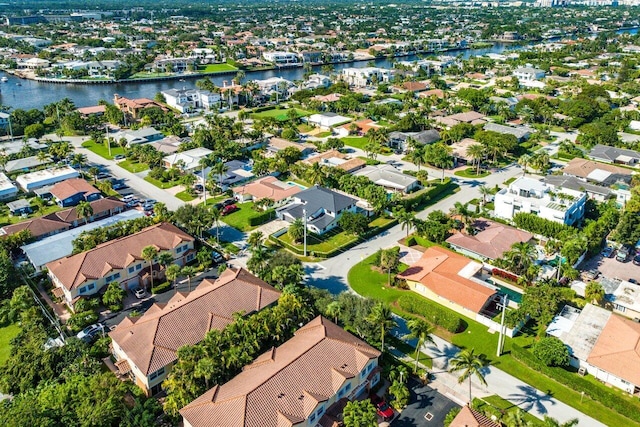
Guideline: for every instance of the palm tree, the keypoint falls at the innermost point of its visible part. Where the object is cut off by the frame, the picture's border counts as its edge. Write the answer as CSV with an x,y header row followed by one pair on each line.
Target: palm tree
x,y
172,272
552,422
334,309
164,259
420,330
471,364
188,271
296,230
406,220
484,192
594,293
204,163
381,316
517,419
524,161
215,216
219,169
84,210
80,159
315,174
416,156
462,210
94,171
149,253
255,239
520,256
540,161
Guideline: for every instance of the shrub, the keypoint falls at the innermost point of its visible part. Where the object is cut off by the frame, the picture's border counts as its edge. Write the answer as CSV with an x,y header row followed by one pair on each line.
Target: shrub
x,y
432,312
79,320
551,351
575,382
262,218
160,288
537,225
453,413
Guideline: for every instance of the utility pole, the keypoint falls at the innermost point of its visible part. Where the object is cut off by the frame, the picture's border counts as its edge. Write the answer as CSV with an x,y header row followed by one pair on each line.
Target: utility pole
x,y
108,142
304,214
502,327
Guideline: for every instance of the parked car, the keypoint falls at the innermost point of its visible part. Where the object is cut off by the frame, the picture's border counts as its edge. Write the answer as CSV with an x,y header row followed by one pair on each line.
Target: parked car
x,y
218,206
228,202
103,175
607,252
636,259
140,293
147,207
199,188
632,280
216,256
91,332
384,410
229,209
150,202
592,274
118,157
622,254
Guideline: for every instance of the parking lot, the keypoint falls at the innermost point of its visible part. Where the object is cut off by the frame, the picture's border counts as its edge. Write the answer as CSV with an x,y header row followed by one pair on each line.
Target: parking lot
x,y
427,407
613,269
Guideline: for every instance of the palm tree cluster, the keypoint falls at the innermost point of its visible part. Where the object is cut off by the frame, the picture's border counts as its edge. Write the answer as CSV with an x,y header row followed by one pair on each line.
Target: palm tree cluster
x,y
223,353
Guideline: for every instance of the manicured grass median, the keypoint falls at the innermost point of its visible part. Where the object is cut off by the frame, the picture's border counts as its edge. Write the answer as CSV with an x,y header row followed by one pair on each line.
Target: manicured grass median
x,y
185,196
102,150
6,335
471,173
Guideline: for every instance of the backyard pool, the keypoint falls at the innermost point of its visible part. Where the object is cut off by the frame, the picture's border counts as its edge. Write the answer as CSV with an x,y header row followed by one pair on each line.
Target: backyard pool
x,y
302,187
514,296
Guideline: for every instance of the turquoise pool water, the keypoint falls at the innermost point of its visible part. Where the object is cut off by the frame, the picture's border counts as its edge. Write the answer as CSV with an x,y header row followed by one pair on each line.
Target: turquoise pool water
x,y
513,295
297,185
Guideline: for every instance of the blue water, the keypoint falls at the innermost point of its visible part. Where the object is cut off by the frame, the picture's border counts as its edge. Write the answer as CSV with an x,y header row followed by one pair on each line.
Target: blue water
x,y
302,187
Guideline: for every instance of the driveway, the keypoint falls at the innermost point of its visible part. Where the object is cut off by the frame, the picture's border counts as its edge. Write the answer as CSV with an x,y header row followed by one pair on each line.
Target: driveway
x,y
612,269
427,407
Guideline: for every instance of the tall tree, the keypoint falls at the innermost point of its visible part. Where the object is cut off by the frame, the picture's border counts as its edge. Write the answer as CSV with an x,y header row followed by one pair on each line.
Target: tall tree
x,y
471,364
149,254
84,210
382,318
421,330
360,414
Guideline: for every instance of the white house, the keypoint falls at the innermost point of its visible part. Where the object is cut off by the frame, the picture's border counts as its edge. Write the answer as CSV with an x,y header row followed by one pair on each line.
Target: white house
x,y
187,160
362,77
281,58
529,195
528,74
316,81
327,120
7,189
31,181
187,100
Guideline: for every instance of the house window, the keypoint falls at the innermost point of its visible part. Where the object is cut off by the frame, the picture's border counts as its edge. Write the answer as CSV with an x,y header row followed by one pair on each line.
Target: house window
x,y
179,249
185,247
116,276
132,269
190,257
92,286
156,374
620,308
82,290
312,418
138,267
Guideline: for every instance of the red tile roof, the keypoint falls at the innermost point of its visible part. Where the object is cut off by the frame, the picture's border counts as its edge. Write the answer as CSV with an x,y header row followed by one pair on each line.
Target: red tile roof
x,y
152,340
70,187
284,385
492,240
268,187
471,418
439,270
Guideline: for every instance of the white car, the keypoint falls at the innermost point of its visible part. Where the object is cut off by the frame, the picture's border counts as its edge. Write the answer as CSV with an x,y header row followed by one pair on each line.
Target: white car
x,y
90,332
140,293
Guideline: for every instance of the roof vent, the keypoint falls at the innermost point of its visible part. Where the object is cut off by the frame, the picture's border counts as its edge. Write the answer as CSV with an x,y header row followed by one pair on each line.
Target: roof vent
x,y
301,397
344,365
281,395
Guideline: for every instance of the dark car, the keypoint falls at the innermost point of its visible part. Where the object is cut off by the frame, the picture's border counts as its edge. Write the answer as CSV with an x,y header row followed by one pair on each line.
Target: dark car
x,y
228,202
607,252
636,260
218,206
217,256
118,157
229,209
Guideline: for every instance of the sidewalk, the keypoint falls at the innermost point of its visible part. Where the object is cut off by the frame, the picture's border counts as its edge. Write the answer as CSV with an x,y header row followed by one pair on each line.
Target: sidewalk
x,y
499,382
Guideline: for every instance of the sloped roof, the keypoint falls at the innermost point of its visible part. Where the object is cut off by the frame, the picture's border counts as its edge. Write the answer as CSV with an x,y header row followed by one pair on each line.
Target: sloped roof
x,y
268,187
153,340
440,270
37,226
469,417
284,385
70,187
492,240
115,254
617,350
583,168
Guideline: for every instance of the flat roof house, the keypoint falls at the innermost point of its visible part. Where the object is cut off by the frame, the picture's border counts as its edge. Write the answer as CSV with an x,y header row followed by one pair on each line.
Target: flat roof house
x,y
31,181
521,133
145,348
323,208
327,120
25,164
118,260
449,279
304,382
389,178
529,195
491,240
7,188
70,192
398,140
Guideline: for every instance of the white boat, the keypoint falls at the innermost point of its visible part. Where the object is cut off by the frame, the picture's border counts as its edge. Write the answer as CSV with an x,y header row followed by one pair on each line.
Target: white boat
x,y
4,79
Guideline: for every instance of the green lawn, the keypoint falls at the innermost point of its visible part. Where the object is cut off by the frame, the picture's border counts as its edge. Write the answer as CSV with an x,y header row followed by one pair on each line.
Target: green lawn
x,y
6,218
146,75
324,134
133,167
212,200
163,185
279,114
240,218
499,406
217,68
185,196
6,335
471,173
355,141
102,150
372,284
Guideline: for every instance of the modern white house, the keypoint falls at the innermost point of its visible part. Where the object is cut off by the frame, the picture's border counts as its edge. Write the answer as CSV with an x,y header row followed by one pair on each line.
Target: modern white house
x,y
186,160
281,58
7,189
188,100
528,74
529,195
362,77
327,120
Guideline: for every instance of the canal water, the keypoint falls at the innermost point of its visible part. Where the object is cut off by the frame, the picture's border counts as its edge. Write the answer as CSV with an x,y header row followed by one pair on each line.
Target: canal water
x,y
33,94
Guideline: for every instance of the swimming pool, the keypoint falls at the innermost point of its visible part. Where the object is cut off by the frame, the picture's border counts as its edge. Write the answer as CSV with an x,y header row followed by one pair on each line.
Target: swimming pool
x,y
302,187
514,296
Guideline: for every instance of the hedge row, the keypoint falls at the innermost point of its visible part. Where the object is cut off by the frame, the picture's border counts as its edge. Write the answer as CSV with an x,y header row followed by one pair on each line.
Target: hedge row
x,y
575,382
545,227
161,287
411,203
266,216
266,108
432,312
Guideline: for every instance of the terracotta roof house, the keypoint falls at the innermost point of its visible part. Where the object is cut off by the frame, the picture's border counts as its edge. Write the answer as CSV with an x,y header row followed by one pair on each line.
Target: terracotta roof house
x,y
334,158
471,117
134,107
73,191
603,344
469,417
118,260
438,93
96,110
145,348
364,126
277,144
268,187
448,279
298,383
63,220
491,240
601,173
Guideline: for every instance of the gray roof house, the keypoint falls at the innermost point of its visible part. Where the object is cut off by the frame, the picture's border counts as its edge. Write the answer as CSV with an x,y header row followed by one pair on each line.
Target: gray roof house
x,y
594,191
398,140
25,164
389,177
607,154
521,133
323,208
